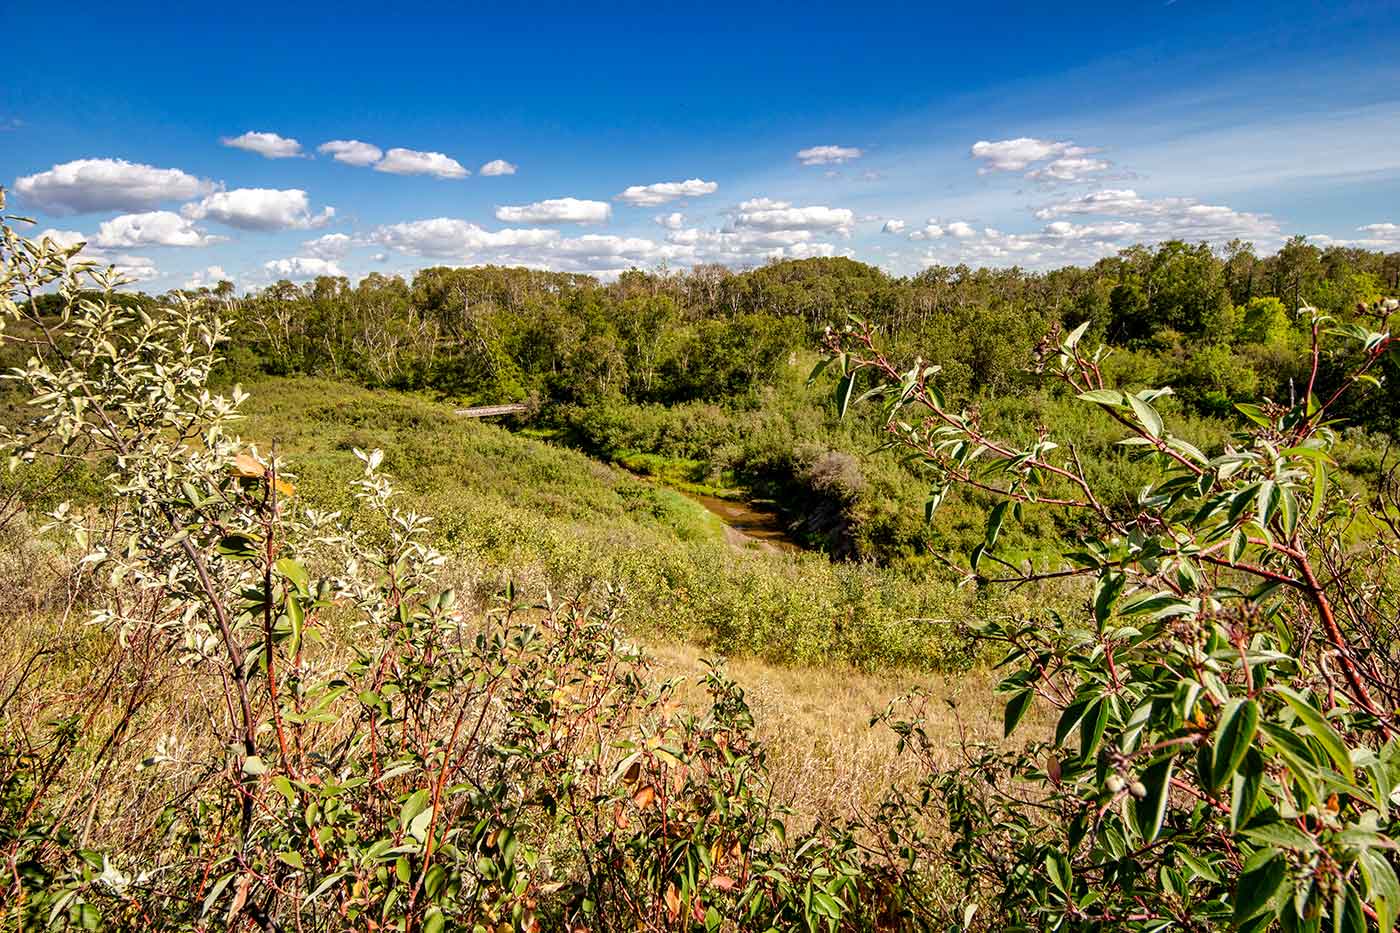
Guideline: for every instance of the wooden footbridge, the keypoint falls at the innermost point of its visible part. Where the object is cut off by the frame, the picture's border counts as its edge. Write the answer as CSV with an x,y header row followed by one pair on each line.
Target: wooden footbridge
x,y
491,411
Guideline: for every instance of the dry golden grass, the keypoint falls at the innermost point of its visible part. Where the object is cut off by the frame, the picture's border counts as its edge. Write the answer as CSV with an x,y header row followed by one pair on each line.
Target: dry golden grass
x,y
826,757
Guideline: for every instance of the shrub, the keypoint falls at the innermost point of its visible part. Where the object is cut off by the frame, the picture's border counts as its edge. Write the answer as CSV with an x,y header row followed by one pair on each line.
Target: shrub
x,y
1225,747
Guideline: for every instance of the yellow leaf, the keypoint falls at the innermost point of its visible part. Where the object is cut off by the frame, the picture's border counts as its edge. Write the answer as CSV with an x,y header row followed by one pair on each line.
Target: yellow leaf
x,y
246,466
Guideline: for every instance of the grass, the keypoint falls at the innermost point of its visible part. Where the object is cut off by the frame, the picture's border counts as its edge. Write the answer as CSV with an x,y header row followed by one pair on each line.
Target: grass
x,y
508,505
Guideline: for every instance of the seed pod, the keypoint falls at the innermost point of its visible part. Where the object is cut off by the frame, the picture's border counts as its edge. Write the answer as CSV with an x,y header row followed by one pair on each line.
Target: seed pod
x,y
1114,783
1138,789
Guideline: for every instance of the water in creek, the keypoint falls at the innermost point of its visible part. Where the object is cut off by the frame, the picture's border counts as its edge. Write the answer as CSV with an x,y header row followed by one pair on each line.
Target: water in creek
x,y
746,524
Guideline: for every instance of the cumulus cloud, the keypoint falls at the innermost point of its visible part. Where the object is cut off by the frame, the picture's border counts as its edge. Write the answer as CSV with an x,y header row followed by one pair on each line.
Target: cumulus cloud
x,y
107,184
768,214
329,246
1099,223
1068,161
498,167
828,155
663,192
302,267
1381,236
1167,218
259,209
556,211
267,145
672,221
131,268
351,151
413,162
1070,168
151,228
893,226
208,277
461,241
929,231
450,238
1378,236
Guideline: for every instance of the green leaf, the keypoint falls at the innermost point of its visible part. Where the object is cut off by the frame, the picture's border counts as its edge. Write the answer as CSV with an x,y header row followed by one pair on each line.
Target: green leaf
x,y
416,804
1253,413
295,573
844,388
1152,808
1147,415
994,523
1317,724
1319,489
1282,835
293,859
1103,397
1059,870
1266,501
1238,542
237,547
1233,736
1245,785
1106,592
1016,709
1072,338
1091,727
1260,885
254,766
1288,507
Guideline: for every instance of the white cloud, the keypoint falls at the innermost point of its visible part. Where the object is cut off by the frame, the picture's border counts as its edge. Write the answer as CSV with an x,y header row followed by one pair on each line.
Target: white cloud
x,y
413,162
742,247
208,277
259,209
1379,236
893,226
1013,155
929,231
131,268
302,267
556,210
351,151
461,241
828,155
961,229
107,184
1382,236
498,167
663,192
450,238
267,145
1168,218
152,228
767,214
329,246
1070,168
672,221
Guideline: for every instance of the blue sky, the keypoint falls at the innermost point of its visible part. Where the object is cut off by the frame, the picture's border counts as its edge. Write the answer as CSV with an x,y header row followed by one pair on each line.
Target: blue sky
x,y
257,142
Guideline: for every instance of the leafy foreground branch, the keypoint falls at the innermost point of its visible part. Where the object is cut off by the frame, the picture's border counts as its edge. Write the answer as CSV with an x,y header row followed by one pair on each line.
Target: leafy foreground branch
x,y
1225,750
